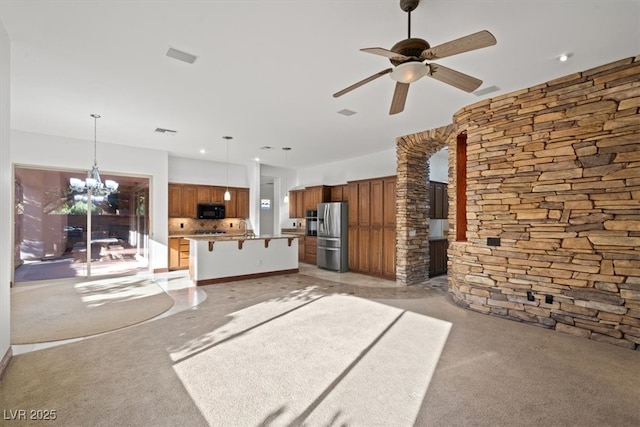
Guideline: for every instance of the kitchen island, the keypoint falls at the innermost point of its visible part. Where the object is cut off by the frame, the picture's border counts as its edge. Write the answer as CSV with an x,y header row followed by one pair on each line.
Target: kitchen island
x,y
228,258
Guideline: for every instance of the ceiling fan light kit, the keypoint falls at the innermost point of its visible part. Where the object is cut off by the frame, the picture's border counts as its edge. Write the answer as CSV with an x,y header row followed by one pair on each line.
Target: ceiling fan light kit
x,y
409,72
409,58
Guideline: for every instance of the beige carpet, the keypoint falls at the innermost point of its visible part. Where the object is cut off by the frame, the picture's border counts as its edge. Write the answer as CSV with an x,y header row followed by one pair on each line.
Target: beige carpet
x,y
72,310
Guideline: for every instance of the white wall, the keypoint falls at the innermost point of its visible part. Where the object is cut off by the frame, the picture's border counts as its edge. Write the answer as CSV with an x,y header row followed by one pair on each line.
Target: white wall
x,y
203,172
439,166
283,181
374,165
31,149
6,193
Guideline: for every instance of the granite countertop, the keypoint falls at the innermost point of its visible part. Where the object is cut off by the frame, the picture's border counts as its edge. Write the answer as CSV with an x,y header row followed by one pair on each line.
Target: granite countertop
x,y
224,237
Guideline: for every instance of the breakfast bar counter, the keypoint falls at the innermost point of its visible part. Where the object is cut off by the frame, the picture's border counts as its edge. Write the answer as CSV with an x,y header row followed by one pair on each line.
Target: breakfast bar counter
x,y
228,258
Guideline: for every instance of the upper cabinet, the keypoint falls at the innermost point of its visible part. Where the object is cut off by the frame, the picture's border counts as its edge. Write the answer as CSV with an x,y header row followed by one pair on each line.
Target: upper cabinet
x,y
439,200
315,195
184,198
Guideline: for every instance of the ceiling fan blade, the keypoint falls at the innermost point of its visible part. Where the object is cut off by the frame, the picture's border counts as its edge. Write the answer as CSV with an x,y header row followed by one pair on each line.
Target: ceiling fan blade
x,y
454,78
399,98
385,52
463,44
362,82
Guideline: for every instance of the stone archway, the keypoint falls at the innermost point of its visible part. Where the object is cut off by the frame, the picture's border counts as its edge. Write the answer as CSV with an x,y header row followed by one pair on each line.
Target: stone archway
x,y
412,200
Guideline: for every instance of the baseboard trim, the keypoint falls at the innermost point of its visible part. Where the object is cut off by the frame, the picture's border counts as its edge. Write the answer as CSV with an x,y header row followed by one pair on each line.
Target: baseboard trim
x,y
4,363
160,270
245,277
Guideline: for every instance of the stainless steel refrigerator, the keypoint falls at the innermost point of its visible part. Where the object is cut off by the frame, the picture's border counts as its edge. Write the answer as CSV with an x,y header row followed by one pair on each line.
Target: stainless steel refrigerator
x,y
333,237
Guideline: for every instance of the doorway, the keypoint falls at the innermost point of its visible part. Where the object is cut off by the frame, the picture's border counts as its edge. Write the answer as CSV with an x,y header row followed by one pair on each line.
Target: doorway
x,y
60,233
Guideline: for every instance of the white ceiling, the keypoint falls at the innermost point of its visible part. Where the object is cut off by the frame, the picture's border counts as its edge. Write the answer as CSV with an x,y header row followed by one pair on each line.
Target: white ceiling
x,y
266,70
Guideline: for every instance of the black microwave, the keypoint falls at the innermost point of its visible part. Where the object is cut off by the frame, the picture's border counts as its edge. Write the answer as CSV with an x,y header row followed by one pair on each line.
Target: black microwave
x,y
209,211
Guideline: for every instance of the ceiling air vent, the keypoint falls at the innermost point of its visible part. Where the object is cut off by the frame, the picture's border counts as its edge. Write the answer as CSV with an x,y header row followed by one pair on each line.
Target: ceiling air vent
x,y
162,130
267,147
181,56
346,112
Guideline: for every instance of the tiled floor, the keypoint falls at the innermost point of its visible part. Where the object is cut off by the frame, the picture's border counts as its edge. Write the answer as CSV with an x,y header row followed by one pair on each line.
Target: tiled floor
x,y
187,296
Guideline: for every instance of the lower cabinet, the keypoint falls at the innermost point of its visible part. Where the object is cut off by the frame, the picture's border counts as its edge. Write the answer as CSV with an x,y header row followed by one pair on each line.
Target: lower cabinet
x,y
438,257
178,253
301,248
311,249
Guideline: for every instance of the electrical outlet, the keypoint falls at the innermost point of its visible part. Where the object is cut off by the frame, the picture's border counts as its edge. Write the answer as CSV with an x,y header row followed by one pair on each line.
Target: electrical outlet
x,y
530,296
548,299
181,225
230,225
294,224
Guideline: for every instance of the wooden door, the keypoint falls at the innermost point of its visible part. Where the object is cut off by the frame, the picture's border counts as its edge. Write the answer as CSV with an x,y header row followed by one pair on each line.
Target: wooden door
x,y
389,253
353,248
364,250
204,194
377,202
243,203
293,200
389,202
439,197
231,206
300,204
189,201
336,193
174,253
217,195
175,196
376,249
364,204
352,199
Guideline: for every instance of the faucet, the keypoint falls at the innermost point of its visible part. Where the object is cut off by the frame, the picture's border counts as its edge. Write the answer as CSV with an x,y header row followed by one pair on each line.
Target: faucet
x,y
246,232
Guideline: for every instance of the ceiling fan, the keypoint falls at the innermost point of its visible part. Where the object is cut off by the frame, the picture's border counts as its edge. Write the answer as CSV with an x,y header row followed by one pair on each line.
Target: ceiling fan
x,y
408,57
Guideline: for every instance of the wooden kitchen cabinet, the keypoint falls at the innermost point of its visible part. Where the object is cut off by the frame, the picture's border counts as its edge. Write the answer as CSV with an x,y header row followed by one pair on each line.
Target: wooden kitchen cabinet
x,y
377,202
296,204
175,197
188,201
242,203
389,203
301,247
376,251
353,248
352,199
364,204
438,200
389,253
178,253
184,198
438,257
337,193
315,195
311,250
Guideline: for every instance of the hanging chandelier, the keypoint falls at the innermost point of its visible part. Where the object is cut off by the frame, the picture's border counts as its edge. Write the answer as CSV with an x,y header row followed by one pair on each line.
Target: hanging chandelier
x,y
92,188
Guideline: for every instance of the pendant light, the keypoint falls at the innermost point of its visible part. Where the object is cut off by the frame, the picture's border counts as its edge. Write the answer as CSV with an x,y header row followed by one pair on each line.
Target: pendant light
x,y
93,187
286,173
227,195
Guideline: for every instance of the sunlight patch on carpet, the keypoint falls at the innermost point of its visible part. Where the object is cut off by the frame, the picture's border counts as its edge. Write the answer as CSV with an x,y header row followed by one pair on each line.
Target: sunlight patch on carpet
x,y
336,357
73,310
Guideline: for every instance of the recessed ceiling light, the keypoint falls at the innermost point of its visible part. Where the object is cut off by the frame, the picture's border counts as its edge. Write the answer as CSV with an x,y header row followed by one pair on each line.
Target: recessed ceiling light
x,y
346,112
257,159
565,57
181,56
202,151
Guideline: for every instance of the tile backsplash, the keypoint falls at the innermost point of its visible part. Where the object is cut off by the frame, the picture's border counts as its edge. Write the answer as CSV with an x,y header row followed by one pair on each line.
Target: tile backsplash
x,y
185,226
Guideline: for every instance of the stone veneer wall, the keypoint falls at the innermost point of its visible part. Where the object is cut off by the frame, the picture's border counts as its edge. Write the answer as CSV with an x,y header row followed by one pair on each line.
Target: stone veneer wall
x,y
554,172
412,202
